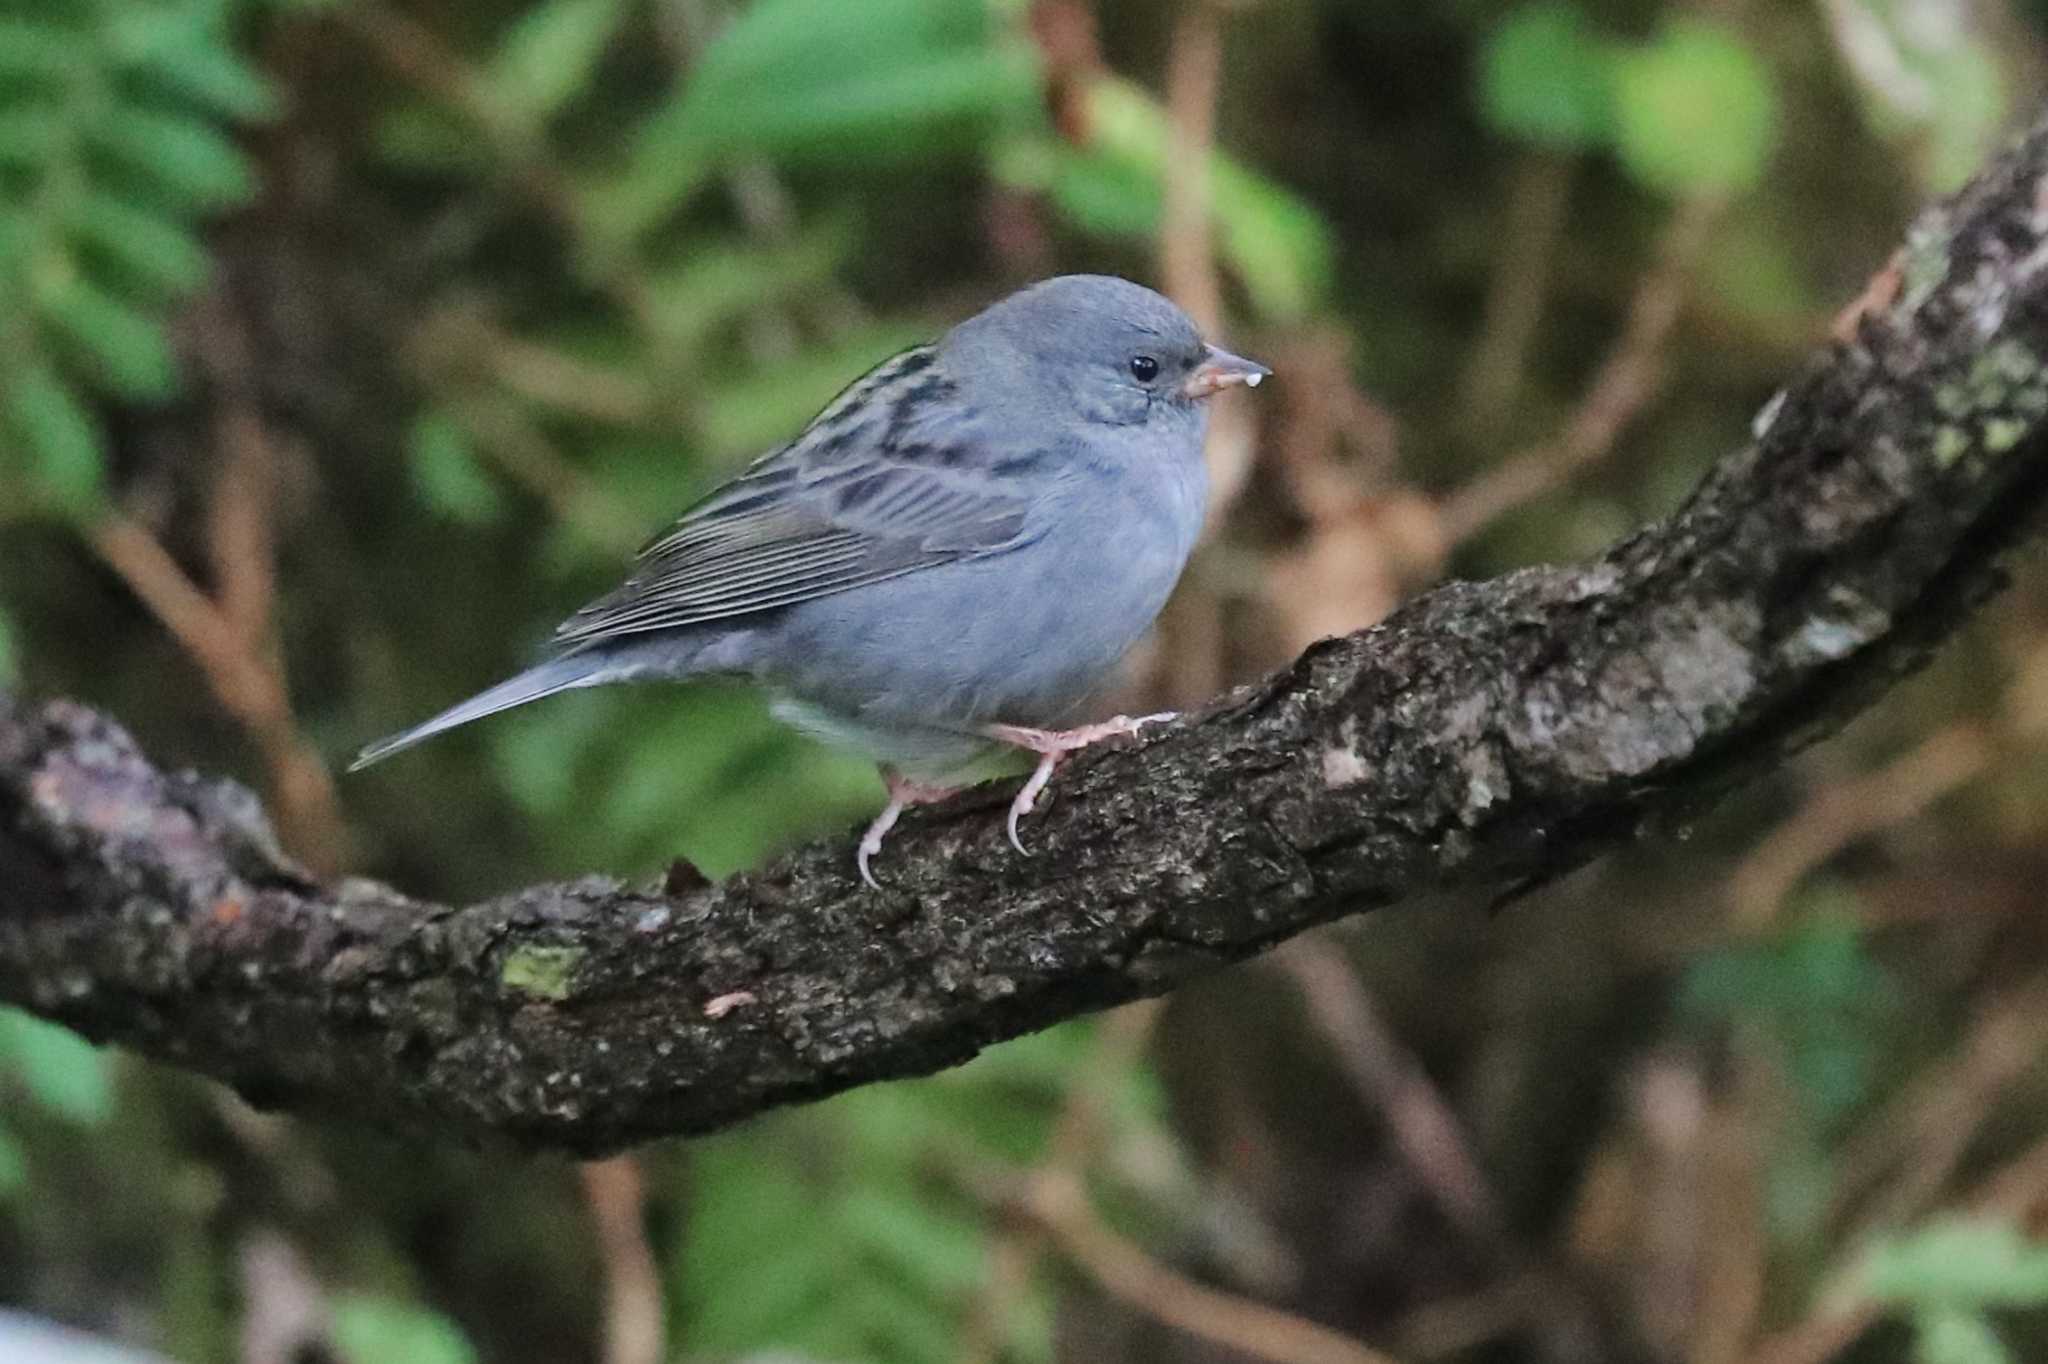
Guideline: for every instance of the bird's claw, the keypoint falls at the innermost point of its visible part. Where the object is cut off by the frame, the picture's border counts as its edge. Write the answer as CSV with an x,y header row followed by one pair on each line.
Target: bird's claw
x,y
1027,796
1051,745
903,793
871,841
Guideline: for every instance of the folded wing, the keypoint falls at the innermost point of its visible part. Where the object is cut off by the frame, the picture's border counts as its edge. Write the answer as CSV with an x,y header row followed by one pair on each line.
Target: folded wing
x,y
888,480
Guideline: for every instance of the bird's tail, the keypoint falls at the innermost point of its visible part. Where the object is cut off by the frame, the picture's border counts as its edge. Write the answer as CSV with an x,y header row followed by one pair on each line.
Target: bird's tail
x,y
543,679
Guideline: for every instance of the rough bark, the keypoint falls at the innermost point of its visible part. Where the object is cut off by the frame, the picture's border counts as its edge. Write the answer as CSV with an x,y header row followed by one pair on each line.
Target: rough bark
x,y
1485,737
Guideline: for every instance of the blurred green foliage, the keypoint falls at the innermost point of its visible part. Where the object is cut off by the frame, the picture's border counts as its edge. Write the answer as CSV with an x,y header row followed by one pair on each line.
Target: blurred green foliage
x,y
1692,110
520,278
60,1073
1948,1276
373,1330
114,148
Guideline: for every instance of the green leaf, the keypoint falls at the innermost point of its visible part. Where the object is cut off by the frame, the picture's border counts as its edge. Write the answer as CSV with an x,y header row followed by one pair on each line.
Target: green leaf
x,y
748,414
1966,1263
884,114
191,55
62,1071
1696,111
547,57
1971,100
1940,84
127,348
881,81
10,652
37,50
714,284
750,1211
1950,1336
446,474
789,44
59,437
13,1166
1545,78
425,137
30,135
1275,243
373,1330
188,160
935,1250
154,251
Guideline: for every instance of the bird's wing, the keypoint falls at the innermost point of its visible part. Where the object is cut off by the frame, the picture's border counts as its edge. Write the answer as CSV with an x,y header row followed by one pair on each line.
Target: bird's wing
x,y
885,481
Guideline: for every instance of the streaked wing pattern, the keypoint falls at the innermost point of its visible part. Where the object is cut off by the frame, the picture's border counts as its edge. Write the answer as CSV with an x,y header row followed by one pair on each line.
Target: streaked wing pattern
x,y
842,506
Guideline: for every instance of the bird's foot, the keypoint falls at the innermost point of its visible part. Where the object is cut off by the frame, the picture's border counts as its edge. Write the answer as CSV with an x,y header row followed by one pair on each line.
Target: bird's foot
x,y
903,793
1051,745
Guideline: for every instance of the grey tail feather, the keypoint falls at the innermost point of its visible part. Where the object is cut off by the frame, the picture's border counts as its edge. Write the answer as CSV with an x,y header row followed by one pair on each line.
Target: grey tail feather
x,y
543,679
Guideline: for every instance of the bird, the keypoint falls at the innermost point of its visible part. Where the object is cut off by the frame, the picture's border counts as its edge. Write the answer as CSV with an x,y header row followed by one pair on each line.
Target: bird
x,y
947,563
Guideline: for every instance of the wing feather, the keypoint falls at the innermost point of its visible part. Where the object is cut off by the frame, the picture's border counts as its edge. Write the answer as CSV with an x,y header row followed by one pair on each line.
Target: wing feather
x,y
871,490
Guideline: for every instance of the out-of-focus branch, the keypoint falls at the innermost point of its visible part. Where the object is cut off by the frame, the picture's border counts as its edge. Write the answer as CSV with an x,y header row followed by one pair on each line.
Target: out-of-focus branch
x,y
1014,1255
1187,258
1845,811
413,52
2016,1191
1534,224
1624,383
1187,252
1124,1271
1394,1084
1484,738
244,677
634,1327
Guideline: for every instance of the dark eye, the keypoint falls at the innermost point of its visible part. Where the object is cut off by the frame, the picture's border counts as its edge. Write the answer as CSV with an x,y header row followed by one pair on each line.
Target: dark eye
x,y
1144,368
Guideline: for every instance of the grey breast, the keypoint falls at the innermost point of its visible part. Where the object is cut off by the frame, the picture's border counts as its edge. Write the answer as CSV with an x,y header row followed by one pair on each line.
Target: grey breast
x,y
1026,636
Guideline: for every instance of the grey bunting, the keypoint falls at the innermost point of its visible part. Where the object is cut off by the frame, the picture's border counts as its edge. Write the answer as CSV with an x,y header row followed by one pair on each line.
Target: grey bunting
x,y
948,562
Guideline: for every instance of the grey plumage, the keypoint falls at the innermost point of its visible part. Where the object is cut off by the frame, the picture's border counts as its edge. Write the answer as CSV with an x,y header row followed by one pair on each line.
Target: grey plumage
x,y
970,535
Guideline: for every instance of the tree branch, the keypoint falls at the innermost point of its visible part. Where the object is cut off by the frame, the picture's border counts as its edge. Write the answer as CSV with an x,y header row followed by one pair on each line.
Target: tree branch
x,y
1482,739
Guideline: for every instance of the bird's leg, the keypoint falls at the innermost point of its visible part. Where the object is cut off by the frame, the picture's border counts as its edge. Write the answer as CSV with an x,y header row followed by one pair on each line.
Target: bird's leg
x,y
1051,745
903,793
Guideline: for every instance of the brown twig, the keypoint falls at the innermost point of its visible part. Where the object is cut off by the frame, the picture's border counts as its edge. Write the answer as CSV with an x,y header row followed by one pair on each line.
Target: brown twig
x,y
2017,1191
1191,629
1906,1154
633,1319
1625,382
1015,1253
510,439
243,677
1426,1131
1122,1269
1187,258
1394,1084
1842,812
285,1316
415,53
1187,254
1535,218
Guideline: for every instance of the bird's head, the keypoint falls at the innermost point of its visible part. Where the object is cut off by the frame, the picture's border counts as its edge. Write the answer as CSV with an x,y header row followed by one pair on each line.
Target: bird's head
x,y
1095,346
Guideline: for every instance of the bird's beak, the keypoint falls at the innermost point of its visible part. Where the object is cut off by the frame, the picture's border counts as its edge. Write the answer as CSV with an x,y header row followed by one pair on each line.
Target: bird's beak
x,y
1220,370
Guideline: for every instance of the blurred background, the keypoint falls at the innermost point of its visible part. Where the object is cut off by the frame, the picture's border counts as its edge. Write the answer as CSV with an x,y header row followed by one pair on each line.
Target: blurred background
x,y
346,346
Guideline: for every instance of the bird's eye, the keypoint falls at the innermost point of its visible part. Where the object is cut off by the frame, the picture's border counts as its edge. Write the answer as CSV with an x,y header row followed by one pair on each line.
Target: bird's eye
x,y
1144,368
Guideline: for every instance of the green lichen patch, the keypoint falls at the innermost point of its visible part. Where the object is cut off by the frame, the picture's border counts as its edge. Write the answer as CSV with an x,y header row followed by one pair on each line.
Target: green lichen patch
x,y
1994,406
2002,433
543,972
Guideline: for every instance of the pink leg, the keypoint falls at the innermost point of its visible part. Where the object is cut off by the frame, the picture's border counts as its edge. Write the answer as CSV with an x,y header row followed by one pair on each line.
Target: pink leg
x,y
903,793
1051,745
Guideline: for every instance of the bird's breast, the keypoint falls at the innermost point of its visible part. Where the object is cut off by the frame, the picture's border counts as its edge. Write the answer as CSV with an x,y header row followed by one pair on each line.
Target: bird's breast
x,y
1025,636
